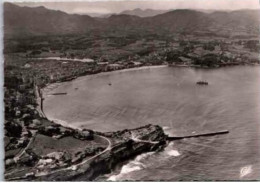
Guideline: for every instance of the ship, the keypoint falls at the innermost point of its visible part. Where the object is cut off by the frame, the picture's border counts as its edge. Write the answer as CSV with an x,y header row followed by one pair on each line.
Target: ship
x,y
202,83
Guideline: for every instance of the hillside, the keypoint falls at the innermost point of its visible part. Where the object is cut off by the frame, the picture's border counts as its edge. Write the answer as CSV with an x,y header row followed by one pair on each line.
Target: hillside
x,y
25,21
240,22
180,21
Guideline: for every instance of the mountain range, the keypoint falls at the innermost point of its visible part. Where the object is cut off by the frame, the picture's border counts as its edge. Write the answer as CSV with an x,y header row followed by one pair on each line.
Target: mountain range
x,y
136,12
27,21
144,13
141,13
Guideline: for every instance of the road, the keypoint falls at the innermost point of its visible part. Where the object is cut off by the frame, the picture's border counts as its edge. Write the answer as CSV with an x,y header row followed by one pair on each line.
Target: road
x,y
75,167
72,167
109,147
17,157
28,145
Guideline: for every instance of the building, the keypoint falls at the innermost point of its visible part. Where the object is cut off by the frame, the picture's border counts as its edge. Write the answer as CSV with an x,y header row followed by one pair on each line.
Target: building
x,y
112,67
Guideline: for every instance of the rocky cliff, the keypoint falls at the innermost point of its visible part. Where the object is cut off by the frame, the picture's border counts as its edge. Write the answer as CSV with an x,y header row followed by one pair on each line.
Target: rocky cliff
x,y
124,145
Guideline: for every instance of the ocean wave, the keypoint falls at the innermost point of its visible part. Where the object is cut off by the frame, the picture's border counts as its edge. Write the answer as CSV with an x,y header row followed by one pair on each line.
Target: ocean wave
x,y
141,162
144,156
167,130
165,127
170,150
132,166
245,171
173,153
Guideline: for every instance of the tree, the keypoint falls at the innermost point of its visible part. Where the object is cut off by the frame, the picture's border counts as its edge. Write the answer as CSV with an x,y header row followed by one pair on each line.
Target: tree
x,y
210,60
209,47
36,52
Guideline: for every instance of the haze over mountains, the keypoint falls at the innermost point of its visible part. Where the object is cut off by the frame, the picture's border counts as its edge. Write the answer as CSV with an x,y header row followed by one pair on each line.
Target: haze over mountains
x,y
135,12
25,21
144,13
140,12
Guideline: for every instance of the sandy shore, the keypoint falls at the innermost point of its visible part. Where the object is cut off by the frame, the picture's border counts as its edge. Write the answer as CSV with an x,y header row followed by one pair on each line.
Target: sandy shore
x,y
39,101
50,87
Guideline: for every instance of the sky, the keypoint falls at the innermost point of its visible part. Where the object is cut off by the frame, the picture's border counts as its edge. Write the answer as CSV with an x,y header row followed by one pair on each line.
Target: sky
x,y
116,6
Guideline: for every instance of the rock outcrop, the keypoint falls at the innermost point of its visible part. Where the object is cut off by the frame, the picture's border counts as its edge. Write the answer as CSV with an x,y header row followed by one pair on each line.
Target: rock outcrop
x,y
126,144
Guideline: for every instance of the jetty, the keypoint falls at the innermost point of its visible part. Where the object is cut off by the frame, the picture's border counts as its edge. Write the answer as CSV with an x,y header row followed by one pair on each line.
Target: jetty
x,y
198,135
61,93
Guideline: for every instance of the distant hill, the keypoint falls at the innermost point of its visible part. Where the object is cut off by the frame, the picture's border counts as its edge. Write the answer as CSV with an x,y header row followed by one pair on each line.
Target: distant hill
x,y
180,21
240,21
25,21
22,21
143,13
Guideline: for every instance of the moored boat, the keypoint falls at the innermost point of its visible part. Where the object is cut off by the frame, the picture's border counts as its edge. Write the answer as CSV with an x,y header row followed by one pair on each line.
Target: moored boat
x,y
202,83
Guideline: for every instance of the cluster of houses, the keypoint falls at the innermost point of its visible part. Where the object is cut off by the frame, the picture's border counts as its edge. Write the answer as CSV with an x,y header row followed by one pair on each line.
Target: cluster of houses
x,y
106,66
49,71
53,160
20,108
216,53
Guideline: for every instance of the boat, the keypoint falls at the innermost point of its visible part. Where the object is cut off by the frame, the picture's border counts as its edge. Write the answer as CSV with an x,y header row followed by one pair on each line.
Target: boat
x,y
202,83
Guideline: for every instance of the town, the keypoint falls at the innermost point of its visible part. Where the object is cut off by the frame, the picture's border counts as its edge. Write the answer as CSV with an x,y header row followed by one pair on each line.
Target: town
x,y
24,80
39,149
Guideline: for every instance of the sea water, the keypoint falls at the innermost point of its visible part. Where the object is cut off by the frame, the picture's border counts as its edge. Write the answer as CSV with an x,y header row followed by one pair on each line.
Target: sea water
x,y
169,97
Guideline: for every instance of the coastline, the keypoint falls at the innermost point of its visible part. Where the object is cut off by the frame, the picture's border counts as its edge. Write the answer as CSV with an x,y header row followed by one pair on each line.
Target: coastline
x,y
40,102
51,86
140,91
121,147
42,92
92,168
214,67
